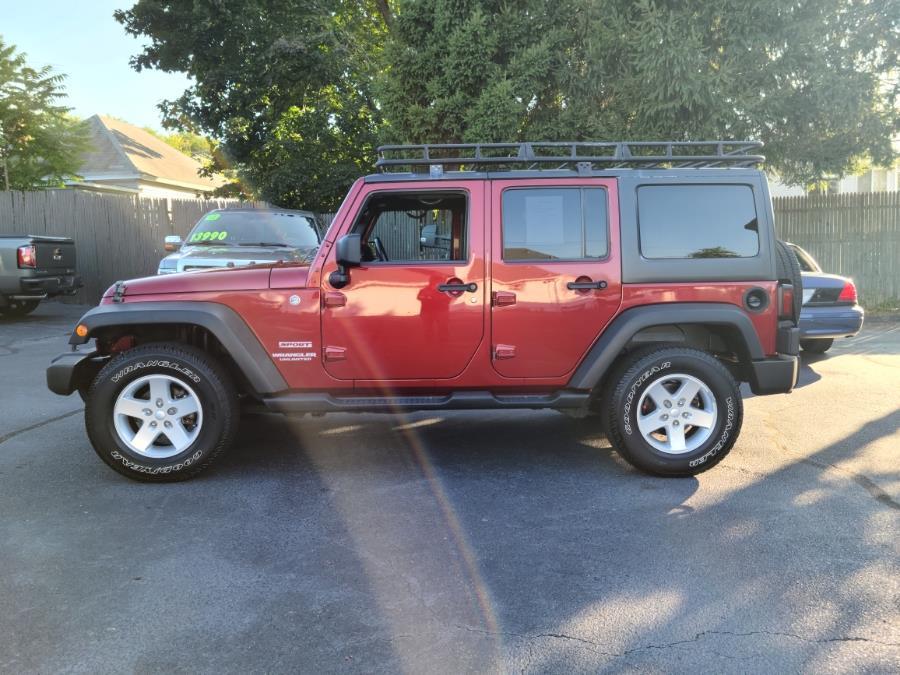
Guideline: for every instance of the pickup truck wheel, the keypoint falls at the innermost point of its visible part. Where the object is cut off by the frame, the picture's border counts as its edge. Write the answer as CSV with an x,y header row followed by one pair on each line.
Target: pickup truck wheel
x,y
19,308
674,411
817,346
161,412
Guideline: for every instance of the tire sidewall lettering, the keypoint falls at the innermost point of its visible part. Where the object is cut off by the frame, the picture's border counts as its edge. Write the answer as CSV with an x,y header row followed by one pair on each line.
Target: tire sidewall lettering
x,y
632,392
723,437
156,363
156,470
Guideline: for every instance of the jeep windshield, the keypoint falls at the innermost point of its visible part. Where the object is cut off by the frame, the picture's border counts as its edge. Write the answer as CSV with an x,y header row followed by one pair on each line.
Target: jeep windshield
x,y
277,229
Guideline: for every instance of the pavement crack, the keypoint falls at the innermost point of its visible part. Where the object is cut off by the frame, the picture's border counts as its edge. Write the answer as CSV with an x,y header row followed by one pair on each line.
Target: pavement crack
x,y
597,648
793,636
38,425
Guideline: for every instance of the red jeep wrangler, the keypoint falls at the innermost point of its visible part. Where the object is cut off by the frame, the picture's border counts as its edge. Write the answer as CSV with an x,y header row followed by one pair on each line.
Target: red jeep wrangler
x,y
641,282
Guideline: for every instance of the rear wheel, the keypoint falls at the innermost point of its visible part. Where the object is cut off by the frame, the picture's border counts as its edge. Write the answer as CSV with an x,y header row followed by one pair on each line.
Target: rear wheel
x,y
19,308
674,411
819,346
161,412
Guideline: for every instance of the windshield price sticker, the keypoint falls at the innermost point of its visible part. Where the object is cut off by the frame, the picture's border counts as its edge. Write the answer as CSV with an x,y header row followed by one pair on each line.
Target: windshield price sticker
x,y
215,235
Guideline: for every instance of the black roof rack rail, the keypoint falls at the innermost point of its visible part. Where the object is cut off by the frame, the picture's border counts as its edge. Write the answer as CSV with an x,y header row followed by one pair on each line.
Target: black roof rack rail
x,y
584,156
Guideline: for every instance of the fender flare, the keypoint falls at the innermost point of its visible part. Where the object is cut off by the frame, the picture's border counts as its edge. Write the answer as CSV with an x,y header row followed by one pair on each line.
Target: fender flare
x,y
626,325
223,322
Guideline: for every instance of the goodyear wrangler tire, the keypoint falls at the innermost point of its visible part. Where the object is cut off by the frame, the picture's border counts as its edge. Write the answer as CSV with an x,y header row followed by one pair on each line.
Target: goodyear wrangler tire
x,y
673,411
161,412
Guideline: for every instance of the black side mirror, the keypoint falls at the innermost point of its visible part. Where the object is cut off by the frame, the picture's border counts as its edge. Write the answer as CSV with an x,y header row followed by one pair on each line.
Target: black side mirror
x,y
348,252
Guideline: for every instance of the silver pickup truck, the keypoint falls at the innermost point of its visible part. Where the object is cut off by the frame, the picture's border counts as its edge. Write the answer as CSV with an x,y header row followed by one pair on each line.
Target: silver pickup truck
x,y
33,268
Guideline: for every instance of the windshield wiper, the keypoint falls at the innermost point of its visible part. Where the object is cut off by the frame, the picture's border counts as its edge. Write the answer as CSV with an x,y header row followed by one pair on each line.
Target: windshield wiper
x,y
264,243
206,242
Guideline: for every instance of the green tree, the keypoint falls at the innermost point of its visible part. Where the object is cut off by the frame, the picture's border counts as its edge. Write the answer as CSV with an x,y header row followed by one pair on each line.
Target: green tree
x,y
816,80
40,143
193,145
285,87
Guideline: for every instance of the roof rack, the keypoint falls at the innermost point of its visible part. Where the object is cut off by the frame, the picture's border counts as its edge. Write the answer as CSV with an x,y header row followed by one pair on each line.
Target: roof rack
x,y
582,156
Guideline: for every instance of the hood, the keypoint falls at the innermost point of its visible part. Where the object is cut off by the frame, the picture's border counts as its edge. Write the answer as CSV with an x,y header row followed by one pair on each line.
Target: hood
x,y
232,279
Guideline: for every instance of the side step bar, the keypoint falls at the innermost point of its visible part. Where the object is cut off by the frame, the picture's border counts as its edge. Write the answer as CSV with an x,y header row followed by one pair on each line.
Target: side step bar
x,y
460,400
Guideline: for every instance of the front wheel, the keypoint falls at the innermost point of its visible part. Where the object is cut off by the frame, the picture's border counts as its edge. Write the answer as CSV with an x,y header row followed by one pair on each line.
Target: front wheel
x,y
673,411
817,346
161,412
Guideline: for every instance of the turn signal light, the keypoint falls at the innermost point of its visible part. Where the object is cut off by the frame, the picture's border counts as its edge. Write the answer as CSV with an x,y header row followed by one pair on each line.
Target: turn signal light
x,y
785,301
25,257
848,293
81,330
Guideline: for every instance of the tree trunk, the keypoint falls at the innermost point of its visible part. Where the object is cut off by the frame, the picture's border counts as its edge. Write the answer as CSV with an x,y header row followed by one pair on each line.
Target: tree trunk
x,y
5,174
385,11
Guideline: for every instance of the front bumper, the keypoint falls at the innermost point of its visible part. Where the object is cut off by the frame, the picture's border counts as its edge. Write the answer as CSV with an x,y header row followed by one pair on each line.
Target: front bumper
x,y
831,322
73,370
66,284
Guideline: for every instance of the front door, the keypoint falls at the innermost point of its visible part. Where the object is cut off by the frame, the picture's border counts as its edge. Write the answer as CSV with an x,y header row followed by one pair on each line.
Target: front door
x,y
555,272
414,310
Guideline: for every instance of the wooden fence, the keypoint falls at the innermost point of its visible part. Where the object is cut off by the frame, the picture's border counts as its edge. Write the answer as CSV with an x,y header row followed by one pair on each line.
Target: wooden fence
x,y
855,235
117,237
121,237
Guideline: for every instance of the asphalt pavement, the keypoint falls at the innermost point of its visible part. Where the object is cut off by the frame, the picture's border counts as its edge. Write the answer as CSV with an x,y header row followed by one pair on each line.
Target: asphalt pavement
x,y
457,542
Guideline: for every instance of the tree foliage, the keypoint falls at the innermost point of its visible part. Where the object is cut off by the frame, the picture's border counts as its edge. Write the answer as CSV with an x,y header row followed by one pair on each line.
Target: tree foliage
x,y
193,145
816,80
286,86
299,92
40,143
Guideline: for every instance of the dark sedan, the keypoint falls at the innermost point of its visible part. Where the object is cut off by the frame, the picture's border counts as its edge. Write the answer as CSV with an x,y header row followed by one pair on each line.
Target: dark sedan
x,y
830,308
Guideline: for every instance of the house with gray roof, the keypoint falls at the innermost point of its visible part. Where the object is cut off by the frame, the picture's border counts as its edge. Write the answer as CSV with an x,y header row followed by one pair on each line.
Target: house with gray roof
x,y
126,159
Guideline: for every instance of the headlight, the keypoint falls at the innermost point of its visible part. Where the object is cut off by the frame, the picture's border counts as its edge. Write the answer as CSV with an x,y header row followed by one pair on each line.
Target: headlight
x,y
167,266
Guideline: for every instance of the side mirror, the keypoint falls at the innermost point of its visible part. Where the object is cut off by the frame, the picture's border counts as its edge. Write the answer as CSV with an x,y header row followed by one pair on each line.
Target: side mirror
x,y
348,252
172,242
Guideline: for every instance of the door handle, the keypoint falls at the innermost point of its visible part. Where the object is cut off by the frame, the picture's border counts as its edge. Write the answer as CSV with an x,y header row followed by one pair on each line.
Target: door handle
x,y
458,288
585,285
334,299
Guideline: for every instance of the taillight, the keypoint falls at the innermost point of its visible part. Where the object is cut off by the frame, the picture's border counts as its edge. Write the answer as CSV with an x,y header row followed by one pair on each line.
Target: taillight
x,y
848,293
25,256
785,301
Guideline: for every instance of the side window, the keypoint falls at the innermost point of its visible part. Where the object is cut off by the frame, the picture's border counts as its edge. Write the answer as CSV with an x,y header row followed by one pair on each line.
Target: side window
x,y
399,227
697,221
555,223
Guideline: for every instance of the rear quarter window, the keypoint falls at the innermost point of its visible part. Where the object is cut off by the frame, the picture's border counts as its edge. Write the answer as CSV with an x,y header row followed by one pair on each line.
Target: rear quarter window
x,y
697,221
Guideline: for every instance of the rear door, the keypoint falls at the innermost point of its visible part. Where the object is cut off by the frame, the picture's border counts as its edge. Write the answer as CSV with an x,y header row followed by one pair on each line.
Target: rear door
x,y
555,272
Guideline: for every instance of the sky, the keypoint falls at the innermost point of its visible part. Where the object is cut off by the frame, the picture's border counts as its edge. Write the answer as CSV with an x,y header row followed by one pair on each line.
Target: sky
x,y
81,39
